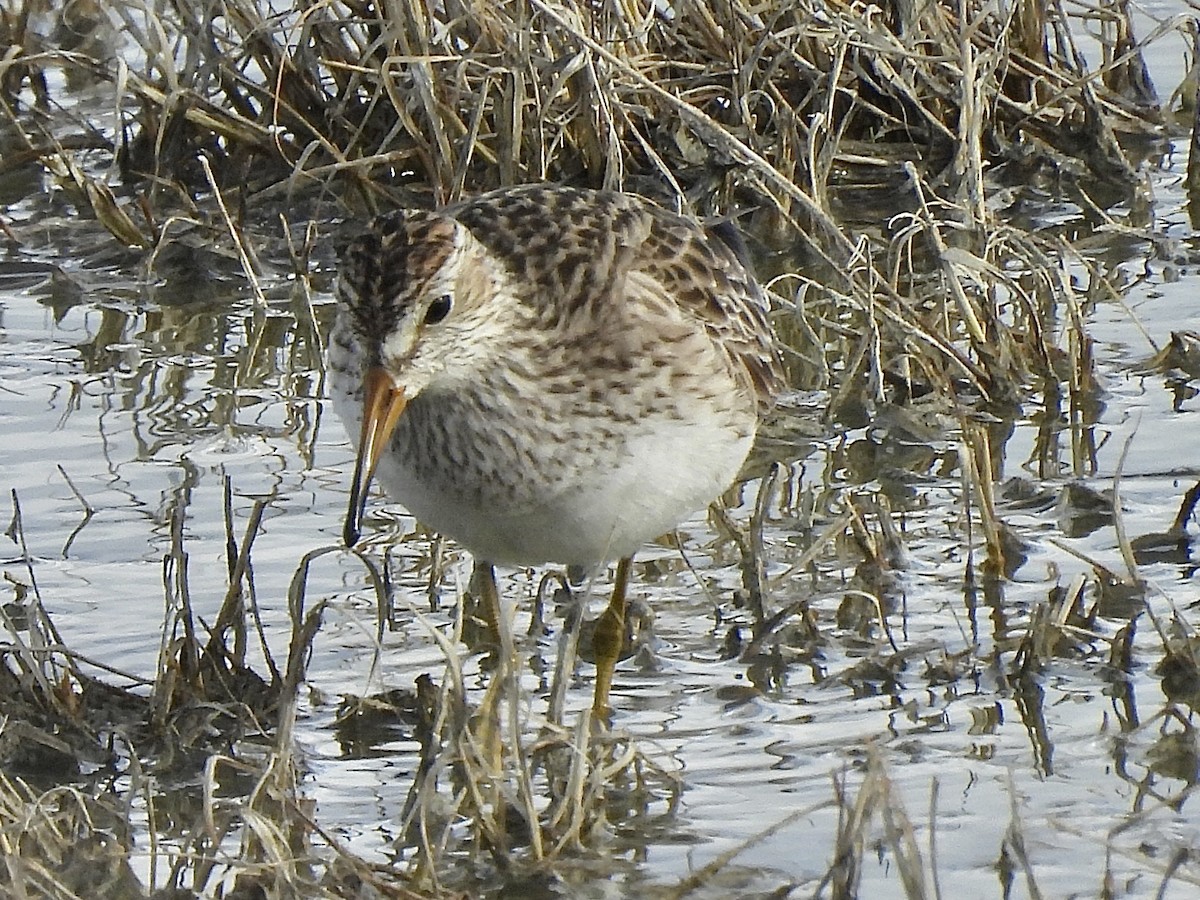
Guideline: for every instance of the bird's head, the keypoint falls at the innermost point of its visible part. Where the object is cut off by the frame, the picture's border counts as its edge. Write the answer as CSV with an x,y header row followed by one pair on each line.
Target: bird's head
x,y
420,298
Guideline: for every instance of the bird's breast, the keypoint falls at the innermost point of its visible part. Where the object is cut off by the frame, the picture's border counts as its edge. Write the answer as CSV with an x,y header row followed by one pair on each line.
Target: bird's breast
x,y
580,478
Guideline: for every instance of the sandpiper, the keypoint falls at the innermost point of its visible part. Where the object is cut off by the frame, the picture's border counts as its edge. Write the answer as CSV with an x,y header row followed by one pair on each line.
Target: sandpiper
x,y
550,375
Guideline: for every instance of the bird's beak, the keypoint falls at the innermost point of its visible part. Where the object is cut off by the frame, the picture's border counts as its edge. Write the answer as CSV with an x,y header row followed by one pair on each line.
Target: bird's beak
x,y
383,402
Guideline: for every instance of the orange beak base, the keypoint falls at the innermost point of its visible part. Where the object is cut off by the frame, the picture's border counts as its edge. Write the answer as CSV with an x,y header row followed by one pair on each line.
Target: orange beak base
x,y
383,403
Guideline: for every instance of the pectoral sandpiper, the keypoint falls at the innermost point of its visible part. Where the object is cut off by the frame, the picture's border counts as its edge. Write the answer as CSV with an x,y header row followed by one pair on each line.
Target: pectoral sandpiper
x,y
547,374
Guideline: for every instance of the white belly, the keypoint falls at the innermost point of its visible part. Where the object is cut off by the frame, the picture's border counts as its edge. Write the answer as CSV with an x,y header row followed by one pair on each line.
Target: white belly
x,y
613,497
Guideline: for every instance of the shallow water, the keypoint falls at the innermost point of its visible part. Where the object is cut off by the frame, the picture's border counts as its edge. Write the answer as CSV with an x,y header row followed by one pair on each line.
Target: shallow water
x,y
145,395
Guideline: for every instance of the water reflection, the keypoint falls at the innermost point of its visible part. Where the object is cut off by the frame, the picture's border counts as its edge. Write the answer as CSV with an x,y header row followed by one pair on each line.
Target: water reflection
x,y
184,374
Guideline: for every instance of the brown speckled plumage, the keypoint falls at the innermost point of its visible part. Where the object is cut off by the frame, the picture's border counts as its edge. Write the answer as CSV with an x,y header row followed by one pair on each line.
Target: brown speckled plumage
x,y
548,374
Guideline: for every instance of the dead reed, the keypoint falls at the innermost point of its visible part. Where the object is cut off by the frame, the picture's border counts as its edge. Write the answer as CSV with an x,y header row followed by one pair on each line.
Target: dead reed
x,y
871,150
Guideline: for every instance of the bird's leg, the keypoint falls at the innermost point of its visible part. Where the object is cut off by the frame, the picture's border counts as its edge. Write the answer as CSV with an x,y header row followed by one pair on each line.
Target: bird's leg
x,y
608,638
481,623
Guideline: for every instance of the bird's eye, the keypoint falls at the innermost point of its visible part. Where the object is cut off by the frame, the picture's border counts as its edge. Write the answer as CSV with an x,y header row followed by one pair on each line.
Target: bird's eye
x,y
438,309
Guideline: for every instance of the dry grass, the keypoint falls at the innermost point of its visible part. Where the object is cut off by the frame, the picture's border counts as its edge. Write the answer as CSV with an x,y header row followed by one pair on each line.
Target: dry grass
x,y
788,102
874,149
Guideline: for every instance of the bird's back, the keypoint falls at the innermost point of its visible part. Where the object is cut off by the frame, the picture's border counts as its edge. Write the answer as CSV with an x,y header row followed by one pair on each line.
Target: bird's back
x,y
576,247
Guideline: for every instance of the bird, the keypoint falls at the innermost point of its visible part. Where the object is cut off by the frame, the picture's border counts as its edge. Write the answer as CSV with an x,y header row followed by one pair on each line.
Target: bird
x,y
550,375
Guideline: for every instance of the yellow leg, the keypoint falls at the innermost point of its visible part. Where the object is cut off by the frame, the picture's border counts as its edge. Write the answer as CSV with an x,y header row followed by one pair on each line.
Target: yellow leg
x,y
608,638
483,615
